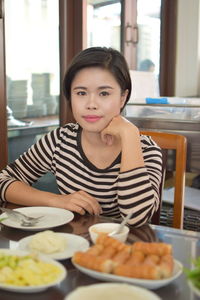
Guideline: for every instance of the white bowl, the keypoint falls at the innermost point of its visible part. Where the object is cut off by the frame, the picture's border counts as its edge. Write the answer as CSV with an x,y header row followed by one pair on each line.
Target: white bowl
x,y
94,230
111,291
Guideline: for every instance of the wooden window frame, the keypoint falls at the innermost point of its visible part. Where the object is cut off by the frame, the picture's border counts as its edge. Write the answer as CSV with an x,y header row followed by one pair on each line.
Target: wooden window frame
x,y
73,22
3,112
168,47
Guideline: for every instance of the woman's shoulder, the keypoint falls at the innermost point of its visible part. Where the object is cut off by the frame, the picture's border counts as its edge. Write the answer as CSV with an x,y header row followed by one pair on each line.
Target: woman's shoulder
x,y
69,129
147,141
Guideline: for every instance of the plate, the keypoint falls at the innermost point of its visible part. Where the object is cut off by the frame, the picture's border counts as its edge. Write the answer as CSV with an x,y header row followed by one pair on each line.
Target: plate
x,y
73,243
146,283
53,217
111,291
38,288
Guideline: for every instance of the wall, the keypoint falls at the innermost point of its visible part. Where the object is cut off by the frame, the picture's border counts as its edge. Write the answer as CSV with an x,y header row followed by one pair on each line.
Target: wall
x,y
188,49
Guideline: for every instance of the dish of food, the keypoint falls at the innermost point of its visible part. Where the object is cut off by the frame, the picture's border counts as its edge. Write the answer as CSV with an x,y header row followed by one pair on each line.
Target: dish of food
x,y
73,243
111,291
98,228
25,273
53,217
146,283
150,265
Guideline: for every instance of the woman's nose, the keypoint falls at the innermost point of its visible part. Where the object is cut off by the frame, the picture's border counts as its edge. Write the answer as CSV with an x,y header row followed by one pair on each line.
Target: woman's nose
x,y
92,103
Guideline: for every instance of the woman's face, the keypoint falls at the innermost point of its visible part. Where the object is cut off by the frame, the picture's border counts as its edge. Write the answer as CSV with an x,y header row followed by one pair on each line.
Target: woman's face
x,y
96,98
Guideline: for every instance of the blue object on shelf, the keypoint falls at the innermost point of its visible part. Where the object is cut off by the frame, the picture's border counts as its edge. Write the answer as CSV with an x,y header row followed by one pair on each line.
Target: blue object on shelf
x,y
157,101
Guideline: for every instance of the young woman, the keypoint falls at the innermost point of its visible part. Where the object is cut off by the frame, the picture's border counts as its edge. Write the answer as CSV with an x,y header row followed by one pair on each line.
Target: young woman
x,y
101,163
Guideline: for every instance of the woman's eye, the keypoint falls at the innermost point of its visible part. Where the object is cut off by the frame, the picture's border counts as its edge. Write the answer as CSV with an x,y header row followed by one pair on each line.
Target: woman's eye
x,y
104,93
81,93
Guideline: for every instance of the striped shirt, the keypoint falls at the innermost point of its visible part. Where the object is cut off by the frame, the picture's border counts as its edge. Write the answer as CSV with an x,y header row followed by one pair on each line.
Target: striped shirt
x,y
60,152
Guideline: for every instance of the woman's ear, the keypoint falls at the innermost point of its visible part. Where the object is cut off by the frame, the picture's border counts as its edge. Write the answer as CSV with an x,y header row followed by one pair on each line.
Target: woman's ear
x,y
123,98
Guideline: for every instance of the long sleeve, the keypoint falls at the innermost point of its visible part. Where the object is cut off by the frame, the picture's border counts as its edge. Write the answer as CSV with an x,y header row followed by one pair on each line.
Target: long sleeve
x,y
138,189
33,164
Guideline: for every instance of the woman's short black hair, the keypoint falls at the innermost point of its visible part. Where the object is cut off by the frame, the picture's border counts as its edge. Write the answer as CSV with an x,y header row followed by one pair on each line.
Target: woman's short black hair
x,y
106,58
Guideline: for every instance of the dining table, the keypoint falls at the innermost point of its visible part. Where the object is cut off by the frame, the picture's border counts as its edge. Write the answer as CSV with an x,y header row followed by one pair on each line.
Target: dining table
x,y
185,245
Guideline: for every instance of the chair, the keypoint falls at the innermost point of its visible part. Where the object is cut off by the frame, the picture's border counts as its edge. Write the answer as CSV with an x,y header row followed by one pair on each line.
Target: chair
x,y
171,141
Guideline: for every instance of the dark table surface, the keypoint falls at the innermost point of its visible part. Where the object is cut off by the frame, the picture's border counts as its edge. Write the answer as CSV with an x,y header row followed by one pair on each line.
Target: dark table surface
x,y
186,245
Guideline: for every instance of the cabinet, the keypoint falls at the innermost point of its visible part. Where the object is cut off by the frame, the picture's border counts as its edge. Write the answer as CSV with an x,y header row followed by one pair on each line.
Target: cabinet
x,y
178,118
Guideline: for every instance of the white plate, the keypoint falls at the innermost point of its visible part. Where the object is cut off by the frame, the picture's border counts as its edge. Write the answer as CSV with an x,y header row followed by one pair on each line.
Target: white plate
x,y
33,289
53,217
73,243
111,291
146,283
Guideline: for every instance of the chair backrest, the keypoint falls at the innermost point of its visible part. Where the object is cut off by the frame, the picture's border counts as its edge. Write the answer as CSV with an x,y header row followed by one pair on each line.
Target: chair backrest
x,y
177,142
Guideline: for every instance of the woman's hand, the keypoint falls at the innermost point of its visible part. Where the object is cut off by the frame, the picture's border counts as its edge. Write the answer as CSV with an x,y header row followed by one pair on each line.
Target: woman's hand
x,y
117,128
80,202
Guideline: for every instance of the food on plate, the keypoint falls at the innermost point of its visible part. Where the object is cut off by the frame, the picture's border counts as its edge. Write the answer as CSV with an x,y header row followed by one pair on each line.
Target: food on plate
x,y
95,249
139,260
47,242
153,248
96,263
26,270
144,271
105,240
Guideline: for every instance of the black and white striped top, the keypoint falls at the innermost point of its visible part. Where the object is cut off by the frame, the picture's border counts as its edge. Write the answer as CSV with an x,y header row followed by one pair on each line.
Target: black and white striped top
x,y
60,153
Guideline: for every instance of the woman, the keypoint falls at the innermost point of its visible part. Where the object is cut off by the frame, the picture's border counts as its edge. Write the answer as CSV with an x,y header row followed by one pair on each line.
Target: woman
x,y
101,164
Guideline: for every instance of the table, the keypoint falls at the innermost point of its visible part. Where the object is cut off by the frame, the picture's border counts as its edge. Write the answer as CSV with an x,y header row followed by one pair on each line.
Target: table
x,y
20,138
186,244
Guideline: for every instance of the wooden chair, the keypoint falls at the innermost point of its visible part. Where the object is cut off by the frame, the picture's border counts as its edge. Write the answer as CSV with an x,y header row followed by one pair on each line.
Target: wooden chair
x,y
170,141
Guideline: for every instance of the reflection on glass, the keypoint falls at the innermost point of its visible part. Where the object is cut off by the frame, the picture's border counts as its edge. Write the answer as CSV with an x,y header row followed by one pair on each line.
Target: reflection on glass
x,y
148,48
32,59
104,23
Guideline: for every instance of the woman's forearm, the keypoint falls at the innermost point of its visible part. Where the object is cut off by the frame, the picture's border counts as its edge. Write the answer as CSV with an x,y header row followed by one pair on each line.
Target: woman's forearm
x,y
132,156
20,193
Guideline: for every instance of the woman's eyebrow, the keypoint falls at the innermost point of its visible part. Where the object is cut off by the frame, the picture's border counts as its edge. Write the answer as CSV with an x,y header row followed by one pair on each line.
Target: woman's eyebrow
x,y
79,87
105,87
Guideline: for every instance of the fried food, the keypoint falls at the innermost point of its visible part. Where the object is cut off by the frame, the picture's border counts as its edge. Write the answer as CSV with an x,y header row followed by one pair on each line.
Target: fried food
x,y
93,262
140,260
152,248
143,271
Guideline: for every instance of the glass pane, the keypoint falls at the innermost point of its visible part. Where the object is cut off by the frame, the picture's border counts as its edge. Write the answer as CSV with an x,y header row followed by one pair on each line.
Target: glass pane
x,y
32,70
148,47
104,23
32,61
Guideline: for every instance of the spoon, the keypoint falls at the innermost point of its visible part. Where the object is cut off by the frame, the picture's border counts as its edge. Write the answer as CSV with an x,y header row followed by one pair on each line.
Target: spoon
x,y
121,225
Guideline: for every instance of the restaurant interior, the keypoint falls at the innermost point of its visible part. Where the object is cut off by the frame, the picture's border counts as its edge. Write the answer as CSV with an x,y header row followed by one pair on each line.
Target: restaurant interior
x,y
160,40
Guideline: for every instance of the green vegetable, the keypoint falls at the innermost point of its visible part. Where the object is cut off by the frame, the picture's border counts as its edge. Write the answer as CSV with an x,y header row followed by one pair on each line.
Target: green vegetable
x,y
2,219
194,274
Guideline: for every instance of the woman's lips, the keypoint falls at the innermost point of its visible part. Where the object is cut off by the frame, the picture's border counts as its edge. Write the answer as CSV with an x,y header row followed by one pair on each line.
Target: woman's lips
x,y
92,119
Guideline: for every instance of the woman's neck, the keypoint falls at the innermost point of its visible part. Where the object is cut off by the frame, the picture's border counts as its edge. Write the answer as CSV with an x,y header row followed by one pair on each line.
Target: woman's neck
x,y
97,152
92,138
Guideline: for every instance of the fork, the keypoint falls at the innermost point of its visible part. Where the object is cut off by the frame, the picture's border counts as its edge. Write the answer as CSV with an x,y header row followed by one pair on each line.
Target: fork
x,y
24,219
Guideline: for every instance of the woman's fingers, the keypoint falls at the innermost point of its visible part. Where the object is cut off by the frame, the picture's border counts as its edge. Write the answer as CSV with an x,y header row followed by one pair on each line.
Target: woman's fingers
x,y
107,139
82,202
91,205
